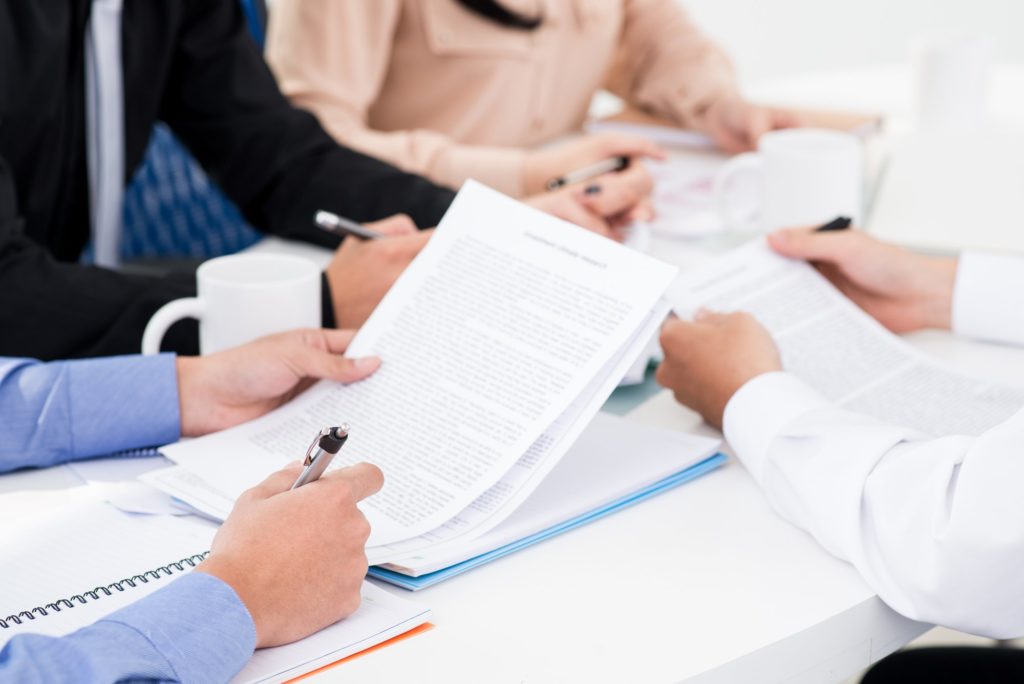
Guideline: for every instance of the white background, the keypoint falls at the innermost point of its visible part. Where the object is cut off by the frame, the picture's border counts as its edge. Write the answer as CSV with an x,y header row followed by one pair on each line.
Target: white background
x,y
776,38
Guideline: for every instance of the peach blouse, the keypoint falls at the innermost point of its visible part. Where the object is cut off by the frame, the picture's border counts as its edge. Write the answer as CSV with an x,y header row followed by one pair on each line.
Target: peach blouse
x,y
437,90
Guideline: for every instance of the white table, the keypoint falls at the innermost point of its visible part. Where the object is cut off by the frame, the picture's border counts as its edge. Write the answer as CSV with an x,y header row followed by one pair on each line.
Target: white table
x,y
702,584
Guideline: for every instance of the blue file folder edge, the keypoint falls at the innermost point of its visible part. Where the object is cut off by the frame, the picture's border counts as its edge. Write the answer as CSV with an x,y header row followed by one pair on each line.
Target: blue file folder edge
x,y
430,579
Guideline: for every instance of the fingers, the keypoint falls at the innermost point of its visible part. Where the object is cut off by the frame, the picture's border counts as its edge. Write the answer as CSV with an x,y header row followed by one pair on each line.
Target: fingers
x,y
281,481
618,145
399,224
619,192
323,365
362,479
338,340
809,245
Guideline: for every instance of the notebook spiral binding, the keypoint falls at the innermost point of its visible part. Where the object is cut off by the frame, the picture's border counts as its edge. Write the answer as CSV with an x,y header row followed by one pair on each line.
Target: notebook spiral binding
x,y
99,592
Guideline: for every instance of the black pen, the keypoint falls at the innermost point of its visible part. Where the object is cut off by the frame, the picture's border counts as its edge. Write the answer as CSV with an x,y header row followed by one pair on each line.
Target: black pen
x,y
321,452
838,223
339,225
588,172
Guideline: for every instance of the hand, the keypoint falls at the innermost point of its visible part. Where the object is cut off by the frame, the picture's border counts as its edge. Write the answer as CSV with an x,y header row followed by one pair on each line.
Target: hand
x,y
902,290
707,361
557,160
236,385
736,125
606,204
296,558
363,271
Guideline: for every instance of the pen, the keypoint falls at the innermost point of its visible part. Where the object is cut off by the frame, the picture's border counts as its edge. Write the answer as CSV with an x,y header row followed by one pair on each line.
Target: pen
x,y
838,223
339,225
321,452
588,172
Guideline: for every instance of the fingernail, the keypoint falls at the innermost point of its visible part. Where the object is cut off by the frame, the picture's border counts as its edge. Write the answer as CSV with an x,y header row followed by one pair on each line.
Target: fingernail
x,y
592,189
367,361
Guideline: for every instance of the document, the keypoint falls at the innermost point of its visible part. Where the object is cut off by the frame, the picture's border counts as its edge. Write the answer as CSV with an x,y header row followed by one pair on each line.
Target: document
x,y
612,459
493,333
838,349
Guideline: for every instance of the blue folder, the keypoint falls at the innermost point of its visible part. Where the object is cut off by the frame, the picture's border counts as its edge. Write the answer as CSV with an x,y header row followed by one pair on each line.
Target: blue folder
x,y
430,579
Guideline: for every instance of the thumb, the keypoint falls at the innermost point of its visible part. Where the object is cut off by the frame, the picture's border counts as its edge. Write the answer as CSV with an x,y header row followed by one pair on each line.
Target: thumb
x,y
318,354
362,479
399,224
810,245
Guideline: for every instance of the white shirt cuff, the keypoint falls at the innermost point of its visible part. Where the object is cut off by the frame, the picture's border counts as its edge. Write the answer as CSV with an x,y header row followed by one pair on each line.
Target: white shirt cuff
x,y
761,409
988,300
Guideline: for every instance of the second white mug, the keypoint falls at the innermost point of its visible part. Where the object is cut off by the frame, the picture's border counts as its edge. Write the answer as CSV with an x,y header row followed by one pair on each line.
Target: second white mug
x,y
241,297
806,176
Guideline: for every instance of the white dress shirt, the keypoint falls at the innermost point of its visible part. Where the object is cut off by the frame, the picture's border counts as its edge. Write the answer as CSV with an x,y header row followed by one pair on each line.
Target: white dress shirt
x,y
935,526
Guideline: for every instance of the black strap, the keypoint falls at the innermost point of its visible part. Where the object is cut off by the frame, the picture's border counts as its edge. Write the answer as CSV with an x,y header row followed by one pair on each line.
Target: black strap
x,y
497,12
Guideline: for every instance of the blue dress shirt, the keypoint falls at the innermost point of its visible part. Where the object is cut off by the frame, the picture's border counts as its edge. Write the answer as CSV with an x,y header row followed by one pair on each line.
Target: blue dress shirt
x,y
195,629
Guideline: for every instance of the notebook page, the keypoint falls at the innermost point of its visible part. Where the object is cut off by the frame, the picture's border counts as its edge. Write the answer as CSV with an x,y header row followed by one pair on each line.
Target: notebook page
x,y
492,332
834,346
82,546
380,617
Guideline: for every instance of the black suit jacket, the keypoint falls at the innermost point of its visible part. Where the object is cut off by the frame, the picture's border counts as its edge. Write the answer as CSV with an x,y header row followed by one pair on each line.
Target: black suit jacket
x,y
192,64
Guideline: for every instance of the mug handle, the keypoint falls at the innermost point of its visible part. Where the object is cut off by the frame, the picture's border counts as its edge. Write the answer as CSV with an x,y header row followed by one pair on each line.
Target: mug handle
x,y
748,161
167,315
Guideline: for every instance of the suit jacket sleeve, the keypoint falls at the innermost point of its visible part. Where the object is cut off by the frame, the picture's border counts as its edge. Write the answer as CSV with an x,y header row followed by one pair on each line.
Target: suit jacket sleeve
x,y
274,160
52,310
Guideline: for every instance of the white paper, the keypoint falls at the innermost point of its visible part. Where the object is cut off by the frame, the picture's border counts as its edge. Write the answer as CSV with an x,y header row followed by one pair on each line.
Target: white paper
x,y
89,544
492,332
838,349
115,481
498,502
613,458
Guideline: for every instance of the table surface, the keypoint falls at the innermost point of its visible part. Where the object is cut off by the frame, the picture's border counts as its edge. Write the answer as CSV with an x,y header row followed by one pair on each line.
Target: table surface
x,y
701,584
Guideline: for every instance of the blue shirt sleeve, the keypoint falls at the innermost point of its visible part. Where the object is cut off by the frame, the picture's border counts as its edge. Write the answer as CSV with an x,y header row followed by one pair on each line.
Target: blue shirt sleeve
x,y
56,412
196,629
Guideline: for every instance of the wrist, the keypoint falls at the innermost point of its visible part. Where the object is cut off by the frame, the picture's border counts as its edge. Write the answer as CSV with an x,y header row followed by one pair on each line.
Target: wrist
x,y
226,572
188,368
937,293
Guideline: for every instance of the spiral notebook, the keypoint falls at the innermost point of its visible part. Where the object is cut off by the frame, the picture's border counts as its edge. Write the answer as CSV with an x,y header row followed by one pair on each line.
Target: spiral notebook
x,y
86,560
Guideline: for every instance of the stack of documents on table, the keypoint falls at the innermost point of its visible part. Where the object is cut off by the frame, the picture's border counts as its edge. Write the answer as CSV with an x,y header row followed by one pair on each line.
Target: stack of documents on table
x,y
87,560
838,349
500,342
614,464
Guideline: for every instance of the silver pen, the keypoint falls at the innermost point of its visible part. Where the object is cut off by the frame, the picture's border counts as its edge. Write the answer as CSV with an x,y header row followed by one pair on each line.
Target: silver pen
x,y
321,452
339,225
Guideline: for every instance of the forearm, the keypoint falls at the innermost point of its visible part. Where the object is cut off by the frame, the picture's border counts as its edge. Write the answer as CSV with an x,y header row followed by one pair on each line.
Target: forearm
x,y
665,64
55,412
195,629
931,525
53,310
275,161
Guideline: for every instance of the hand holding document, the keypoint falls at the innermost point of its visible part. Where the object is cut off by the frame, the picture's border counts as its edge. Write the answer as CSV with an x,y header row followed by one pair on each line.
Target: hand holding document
x,y
841,351
499,344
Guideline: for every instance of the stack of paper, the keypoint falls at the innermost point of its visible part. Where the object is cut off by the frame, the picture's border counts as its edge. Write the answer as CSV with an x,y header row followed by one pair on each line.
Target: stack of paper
x,y
616,463
499,343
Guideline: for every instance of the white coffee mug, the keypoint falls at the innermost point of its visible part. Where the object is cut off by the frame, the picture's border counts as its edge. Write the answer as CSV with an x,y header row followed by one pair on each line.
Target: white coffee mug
x,y
241,297
807,176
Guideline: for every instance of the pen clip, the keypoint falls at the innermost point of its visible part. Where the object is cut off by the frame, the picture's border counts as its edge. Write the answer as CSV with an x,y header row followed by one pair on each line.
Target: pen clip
x,y
315,445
